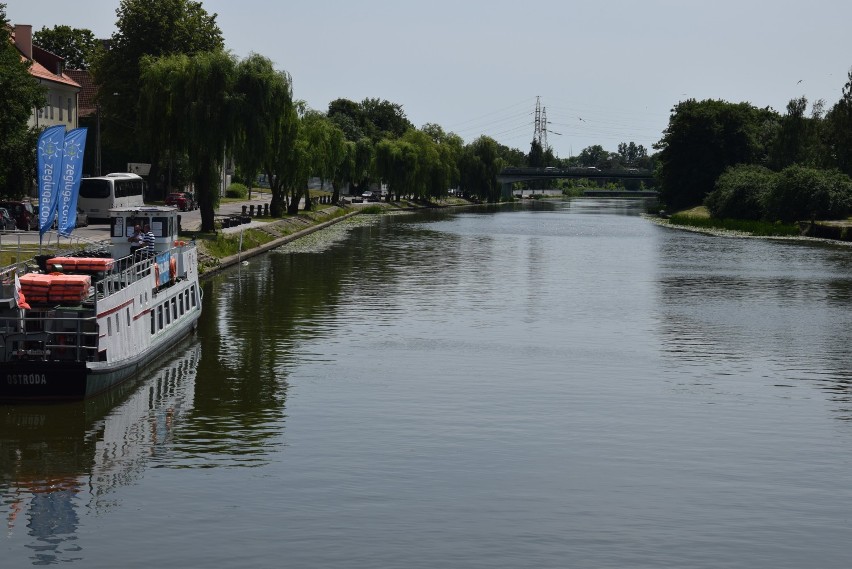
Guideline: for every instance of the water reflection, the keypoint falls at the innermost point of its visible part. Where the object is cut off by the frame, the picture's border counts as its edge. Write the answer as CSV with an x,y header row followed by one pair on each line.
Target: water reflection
x,y
56,460
778,312
259,315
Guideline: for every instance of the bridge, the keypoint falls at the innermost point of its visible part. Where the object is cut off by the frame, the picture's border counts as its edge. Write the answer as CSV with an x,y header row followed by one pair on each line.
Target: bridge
x,y
510,175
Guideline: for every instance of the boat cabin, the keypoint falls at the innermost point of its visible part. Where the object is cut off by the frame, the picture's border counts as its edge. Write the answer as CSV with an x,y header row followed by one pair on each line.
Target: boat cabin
x,y
164,222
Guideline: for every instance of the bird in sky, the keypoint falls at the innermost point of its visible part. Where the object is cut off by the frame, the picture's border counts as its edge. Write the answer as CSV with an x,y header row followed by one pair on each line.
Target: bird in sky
x,y
799,81
581,118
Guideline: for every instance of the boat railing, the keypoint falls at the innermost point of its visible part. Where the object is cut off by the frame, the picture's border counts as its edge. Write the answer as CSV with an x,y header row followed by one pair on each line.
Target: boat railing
x,y
68,331
124,272
51,335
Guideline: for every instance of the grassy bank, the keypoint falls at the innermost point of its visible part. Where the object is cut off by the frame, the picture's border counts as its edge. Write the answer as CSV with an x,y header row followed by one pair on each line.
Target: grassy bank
x,y
699,218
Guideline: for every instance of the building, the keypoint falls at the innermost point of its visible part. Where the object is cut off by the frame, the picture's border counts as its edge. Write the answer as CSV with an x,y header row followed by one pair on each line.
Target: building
x,y
61,101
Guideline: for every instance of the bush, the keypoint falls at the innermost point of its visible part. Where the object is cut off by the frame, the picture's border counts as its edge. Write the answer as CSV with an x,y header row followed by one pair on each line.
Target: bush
x,y
805,193
236,190
740,192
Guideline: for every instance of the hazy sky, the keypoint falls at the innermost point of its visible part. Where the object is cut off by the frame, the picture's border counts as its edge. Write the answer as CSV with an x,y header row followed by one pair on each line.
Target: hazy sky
x,y
605,71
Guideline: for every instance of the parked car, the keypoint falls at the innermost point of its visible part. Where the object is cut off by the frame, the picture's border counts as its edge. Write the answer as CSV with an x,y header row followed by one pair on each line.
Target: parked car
x,y
81,221
22,212
6,221
370,197
184,201
82,218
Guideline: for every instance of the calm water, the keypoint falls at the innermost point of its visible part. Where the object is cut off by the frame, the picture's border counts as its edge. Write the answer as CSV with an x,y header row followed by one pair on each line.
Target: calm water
x,y
557,385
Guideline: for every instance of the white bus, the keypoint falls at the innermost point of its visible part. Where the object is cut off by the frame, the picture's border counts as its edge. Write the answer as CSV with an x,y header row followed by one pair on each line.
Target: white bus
x,y
99,195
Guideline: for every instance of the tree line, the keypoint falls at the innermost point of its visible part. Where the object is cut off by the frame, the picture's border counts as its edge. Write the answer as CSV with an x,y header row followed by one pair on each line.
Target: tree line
x,y
170,94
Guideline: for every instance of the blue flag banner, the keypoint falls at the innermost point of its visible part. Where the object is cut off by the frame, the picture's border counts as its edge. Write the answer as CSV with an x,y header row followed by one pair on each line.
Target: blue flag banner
x,y
72,171
50,145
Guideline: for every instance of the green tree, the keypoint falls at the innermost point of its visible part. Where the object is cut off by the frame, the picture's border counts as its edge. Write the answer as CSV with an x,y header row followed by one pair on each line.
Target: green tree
x,y
189,104
387,119
480,163
265,100
797,140
363,162
144,27
429,173
281,160
511,156
630,154
741,192
702,140
325,146
838,123
349,117
593,156
78,46
535,159
20,94
389,166
450,148
345,171
802,193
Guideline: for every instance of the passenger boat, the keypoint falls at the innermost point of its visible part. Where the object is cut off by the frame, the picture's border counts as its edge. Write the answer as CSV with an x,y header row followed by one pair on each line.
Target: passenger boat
x,y
77,325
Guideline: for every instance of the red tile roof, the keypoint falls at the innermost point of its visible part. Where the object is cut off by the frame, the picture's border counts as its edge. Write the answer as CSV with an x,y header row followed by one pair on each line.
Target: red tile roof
x,y
86,106
41,72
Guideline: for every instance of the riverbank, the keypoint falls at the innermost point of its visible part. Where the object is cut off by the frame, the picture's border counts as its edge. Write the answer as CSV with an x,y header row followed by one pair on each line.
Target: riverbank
x,y
233,245
837,232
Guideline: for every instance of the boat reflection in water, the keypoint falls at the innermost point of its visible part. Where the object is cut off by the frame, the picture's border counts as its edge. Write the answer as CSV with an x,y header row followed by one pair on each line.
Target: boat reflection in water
x,y
57,459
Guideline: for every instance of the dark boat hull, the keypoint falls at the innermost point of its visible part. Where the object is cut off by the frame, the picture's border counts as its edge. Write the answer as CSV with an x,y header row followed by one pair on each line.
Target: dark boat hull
x,y
42,382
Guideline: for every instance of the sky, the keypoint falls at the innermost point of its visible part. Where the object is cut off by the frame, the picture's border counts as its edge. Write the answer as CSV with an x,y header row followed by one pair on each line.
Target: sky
x,y
603,72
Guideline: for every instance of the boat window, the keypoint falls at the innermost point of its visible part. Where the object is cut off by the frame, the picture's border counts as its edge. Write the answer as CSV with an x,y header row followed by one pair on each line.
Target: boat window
x,y
127,311
174,308
192,295
118,226
168,314
160,317
153,323
117,322
159,225
109,327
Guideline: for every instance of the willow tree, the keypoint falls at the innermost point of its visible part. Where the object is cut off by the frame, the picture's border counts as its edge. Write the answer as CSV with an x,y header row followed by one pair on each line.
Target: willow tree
x,y
346,171
398,164
479,165
326,148
450,147
157,28
161,101
189,104
265,106
363,163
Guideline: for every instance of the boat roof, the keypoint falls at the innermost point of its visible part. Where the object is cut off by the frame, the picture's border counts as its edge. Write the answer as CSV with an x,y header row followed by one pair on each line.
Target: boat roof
x,y
161,210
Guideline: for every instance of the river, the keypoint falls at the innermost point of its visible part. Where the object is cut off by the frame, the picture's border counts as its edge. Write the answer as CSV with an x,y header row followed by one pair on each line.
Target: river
x,y
545,385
